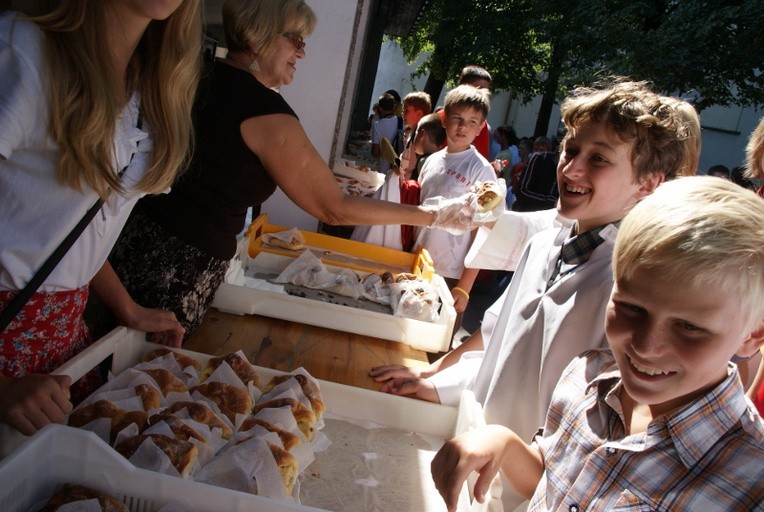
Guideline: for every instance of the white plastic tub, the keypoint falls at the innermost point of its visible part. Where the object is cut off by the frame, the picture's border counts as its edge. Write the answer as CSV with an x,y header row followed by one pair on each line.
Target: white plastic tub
x,y
428,336
59,454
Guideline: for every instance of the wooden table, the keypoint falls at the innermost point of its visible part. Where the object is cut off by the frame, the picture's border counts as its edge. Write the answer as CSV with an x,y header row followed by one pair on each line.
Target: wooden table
x,y
283,345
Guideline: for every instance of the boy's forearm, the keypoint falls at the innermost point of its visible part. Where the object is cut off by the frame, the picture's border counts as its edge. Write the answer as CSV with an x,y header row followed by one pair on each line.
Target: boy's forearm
x,y
474,342
522,465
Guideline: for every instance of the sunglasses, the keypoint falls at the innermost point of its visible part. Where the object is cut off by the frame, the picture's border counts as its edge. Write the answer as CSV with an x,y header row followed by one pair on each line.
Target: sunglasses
x,y
295,39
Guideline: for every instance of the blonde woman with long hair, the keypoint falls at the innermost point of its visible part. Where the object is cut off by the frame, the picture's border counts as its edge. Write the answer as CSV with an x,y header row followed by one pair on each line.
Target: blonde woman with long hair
x,y
95,101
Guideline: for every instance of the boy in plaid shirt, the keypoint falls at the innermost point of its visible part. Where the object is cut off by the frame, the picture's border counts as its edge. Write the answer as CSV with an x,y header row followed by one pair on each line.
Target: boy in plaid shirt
x,y
660,420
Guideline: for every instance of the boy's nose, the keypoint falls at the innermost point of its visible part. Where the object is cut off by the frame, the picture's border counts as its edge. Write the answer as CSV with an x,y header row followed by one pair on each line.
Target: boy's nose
x,y
649,340
573,168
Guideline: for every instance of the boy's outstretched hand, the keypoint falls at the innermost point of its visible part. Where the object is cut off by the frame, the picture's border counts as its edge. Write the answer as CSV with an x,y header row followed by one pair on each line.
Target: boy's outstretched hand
x,y
401,380
480,450
391,371
411,387
485,450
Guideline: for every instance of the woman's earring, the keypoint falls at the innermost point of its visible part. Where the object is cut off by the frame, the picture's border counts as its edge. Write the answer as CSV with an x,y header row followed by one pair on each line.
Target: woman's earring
x,y
254,66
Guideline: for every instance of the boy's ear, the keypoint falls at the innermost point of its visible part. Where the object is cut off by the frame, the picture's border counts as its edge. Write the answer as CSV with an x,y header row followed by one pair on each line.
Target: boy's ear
x,y
754,342
650,183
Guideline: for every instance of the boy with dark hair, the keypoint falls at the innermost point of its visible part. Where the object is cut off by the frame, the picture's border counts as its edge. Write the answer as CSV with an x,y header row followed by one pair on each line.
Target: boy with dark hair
x,y
449,173
476,76
660,420
416,105
479,78
430,136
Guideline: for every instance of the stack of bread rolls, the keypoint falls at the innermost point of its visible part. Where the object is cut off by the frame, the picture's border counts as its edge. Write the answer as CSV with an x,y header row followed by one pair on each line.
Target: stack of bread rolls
x,y
193,410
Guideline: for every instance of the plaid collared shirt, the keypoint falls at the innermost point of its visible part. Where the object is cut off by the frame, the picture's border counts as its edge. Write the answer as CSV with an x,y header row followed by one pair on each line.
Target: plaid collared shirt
x,y
708,455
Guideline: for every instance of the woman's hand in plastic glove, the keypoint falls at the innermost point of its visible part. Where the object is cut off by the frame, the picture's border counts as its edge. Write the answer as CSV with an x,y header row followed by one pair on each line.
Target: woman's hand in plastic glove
x,y
452,215
462,214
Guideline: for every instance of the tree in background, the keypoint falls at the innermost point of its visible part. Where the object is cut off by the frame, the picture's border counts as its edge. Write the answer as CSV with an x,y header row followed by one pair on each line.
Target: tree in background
x,y
708,51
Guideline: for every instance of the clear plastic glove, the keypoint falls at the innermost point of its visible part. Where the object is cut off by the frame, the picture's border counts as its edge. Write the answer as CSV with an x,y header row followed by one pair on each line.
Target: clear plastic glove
x,y
452,215
462,214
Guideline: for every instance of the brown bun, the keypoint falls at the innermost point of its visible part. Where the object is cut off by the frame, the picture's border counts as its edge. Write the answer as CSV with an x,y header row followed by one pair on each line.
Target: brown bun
x,y
71,493
309,388
119,418
93,411
183,360
288,439
181,453
304,416
181,429
287,464
198,412
149,395
231,400
296,243
405,276
120,423
166,381
238,364
488,196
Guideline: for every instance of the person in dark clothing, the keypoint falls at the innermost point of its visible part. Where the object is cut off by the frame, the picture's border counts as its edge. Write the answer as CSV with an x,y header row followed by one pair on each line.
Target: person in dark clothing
x,y
537,184
176,248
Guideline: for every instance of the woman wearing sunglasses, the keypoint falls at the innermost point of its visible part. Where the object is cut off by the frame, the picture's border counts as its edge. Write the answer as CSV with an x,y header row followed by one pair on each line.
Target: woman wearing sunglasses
x,y
176,248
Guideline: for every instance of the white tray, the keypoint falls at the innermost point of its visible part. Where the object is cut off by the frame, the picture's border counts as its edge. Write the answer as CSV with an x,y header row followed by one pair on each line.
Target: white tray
x,y
244,300
59,454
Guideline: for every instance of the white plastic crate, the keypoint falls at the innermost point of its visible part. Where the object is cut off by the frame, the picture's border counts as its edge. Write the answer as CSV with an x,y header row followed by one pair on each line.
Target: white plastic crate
x,y
427,336
59,454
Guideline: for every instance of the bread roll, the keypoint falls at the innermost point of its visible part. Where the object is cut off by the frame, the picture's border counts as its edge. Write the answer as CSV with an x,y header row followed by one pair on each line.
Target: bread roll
x,y
488,196
183,360
119,418
199,412
72,493
121,422
149,395
296,243
309,388
304,416
288,439
403,277
166,381
287,464
231,400
93,411
238,364
182,454
181,429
